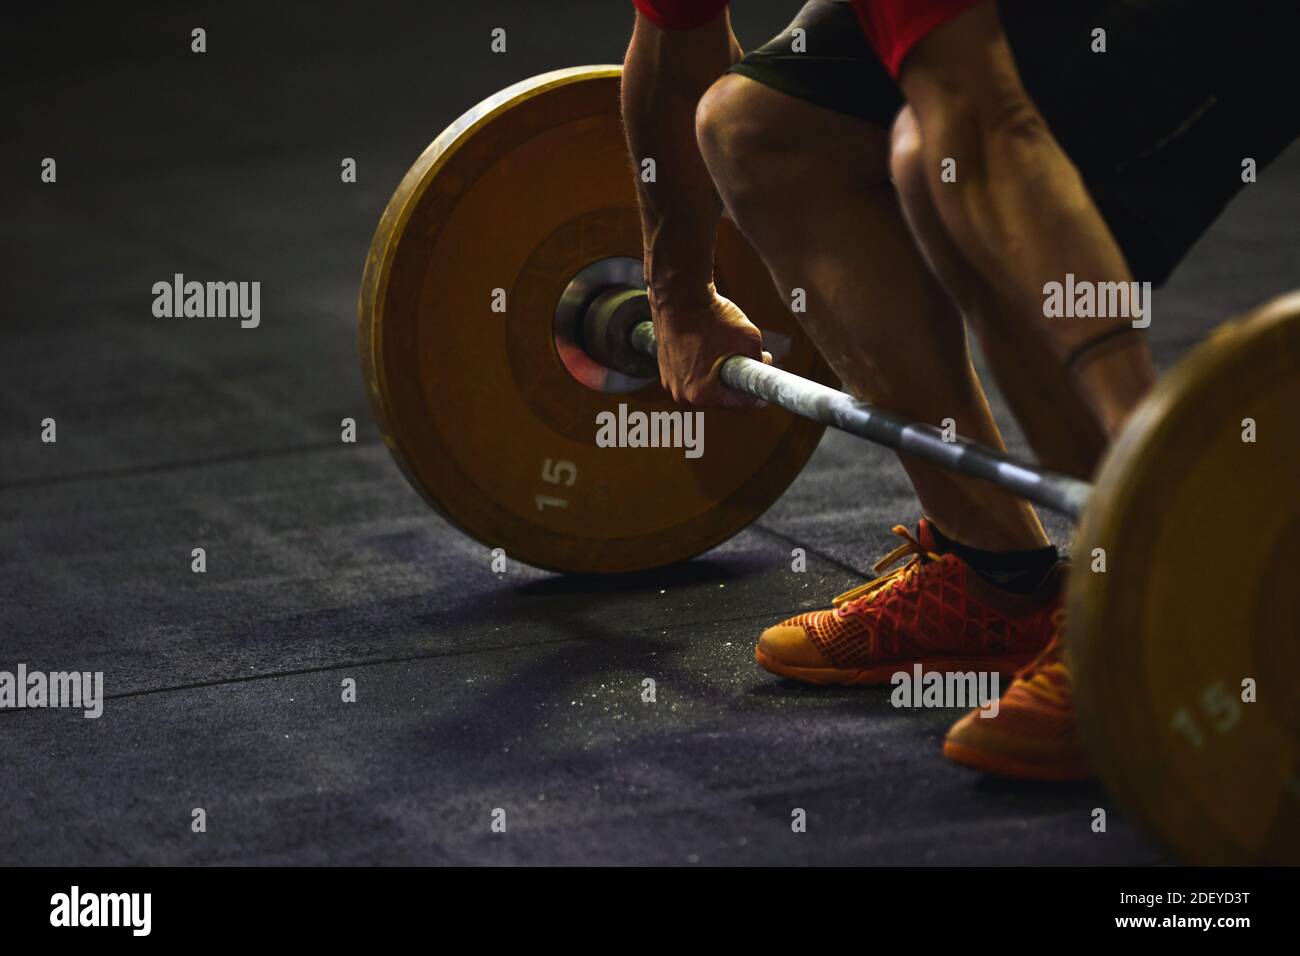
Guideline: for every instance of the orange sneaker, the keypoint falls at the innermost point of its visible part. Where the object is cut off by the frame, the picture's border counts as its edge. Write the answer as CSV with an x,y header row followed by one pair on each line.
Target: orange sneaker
x,y
1033,735
933,611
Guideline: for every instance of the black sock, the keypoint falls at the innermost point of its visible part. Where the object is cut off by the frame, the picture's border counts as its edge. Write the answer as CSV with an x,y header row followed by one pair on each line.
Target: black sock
x,y
1020,572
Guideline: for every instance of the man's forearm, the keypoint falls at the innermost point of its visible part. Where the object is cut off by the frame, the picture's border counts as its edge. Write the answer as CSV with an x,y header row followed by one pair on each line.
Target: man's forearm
x,y
664,75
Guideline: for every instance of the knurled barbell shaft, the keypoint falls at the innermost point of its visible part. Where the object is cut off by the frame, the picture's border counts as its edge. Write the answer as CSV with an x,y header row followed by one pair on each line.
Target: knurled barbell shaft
x,y
1060,493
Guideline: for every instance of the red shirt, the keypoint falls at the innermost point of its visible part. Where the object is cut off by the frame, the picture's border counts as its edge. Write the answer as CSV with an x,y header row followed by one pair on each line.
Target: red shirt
x,y
680,14
893,27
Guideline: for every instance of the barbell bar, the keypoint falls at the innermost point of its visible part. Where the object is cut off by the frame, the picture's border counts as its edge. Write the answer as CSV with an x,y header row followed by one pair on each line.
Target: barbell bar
x,y
610,316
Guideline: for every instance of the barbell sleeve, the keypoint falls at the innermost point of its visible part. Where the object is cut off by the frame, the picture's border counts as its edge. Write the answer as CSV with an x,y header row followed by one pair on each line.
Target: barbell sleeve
x,y
1061,493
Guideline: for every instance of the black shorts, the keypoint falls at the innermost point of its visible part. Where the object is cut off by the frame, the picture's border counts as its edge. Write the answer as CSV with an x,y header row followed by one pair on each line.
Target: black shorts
x,y
1159,125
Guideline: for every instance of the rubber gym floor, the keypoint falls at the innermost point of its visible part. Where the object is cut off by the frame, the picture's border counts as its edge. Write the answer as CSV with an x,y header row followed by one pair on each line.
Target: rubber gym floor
x,y
475,691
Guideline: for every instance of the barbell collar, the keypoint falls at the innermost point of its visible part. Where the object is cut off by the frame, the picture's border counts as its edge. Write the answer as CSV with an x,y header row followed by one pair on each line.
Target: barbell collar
x,y
1060,493
606,330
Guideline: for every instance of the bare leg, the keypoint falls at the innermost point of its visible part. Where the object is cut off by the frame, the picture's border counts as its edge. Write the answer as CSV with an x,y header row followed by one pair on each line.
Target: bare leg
x,y
1016,217
810,189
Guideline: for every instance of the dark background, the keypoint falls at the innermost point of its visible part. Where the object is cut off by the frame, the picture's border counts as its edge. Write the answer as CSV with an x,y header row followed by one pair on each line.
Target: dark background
x,y
475,691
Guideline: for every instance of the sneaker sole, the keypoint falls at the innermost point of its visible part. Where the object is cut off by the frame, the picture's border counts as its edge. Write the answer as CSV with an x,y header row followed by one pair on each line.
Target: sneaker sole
x,y
1002,765
884,673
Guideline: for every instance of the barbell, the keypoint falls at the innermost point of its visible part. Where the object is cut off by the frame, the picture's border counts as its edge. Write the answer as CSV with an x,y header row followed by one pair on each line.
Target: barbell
x,y
502,311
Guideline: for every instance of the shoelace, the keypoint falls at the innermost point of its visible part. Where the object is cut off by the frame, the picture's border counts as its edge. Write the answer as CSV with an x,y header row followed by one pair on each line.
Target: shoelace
x,y
1046,676
854,600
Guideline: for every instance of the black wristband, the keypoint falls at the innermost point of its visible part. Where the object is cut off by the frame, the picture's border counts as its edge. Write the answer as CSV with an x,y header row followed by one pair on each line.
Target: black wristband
x,y
1102,338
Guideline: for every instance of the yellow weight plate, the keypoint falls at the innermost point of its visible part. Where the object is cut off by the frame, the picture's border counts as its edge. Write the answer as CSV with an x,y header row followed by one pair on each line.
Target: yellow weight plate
x,y
521,194
1199,601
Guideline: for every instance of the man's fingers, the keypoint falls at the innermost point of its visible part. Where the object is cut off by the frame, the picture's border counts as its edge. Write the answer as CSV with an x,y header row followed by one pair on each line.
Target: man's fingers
x,y
730,398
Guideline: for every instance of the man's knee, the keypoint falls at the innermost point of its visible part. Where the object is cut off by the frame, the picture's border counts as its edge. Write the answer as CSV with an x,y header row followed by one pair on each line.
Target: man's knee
x,y
950,151
731,125
756,139
906,167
